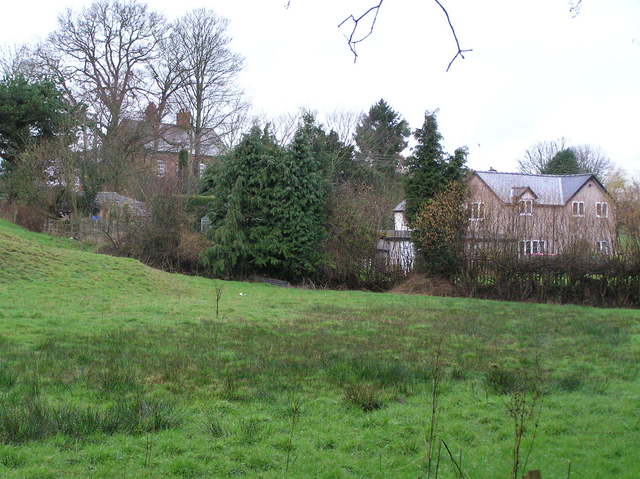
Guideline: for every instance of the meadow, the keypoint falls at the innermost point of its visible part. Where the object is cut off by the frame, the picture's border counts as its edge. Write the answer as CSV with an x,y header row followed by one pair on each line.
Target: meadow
x,y
111,369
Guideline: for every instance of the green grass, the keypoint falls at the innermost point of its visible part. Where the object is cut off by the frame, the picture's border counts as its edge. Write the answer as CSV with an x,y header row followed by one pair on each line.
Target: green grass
x,y
112,369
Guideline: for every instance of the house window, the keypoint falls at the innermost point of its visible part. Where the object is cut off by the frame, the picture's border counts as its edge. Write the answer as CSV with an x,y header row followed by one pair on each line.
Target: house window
x,y
602,210
531,247
476,211
577,208
201,169
602,246
526,207
162,167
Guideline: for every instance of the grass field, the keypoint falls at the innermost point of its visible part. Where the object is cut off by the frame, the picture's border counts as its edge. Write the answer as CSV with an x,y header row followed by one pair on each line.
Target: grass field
x,y
110,369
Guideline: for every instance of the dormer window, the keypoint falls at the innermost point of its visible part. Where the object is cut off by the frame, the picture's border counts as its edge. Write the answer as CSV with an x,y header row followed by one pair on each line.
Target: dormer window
x,y
577,208
602,210
476,211
526,207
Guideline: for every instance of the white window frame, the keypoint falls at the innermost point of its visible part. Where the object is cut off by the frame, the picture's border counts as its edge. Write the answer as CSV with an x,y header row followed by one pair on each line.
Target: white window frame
x,y
533,247
577,208
201,169
526,207
161,166
476,211
603,246
603,206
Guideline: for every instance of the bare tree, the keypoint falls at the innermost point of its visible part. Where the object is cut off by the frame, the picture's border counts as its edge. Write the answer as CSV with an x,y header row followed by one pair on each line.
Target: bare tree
x,y
15,59
103,52
590,159
238,123
210,93
363,24
344,123
283,127
167,74
537,156
101,56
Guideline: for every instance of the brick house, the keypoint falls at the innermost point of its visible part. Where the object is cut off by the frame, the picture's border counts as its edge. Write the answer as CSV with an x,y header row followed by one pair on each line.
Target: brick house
x,y
163,142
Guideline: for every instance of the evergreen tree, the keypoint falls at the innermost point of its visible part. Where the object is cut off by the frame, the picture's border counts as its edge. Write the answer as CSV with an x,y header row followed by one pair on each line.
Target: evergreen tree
x,y
29,111
564,162
268,212
429,169
290,240
233,210
229,254
381,136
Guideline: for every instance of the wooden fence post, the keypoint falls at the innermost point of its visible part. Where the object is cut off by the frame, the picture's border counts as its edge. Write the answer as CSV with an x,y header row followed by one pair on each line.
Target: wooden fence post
x,y
532,475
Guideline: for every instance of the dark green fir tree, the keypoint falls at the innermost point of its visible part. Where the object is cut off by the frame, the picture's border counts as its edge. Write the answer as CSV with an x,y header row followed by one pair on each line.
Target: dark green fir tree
x,y
430,170
381,136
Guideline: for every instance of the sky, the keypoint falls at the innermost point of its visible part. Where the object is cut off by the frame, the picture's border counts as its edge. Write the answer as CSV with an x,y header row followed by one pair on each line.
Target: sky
x,y
536,72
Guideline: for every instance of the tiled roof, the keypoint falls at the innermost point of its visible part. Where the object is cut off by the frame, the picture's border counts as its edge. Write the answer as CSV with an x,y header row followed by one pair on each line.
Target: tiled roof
x,y
550,189
173,138
104,198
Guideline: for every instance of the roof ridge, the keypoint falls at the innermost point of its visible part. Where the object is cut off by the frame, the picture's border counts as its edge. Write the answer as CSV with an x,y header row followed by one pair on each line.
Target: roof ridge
x,y
533,174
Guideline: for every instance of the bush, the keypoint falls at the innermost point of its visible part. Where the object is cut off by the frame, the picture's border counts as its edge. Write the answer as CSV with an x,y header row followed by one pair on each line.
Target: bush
x,y
357,215
164,238
439,230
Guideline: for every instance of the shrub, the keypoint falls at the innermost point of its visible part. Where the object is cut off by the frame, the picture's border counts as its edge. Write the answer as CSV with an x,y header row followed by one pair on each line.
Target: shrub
x,y
164,238
357,214
439,230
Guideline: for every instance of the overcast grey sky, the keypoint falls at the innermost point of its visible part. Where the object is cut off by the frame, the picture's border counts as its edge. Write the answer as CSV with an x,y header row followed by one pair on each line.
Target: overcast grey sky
x,y
535,73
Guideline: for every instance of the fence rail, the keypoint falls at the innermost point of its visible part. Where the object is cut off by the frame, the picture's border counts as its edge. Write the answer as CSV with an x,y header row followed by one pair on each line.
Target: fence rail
x,y
87,229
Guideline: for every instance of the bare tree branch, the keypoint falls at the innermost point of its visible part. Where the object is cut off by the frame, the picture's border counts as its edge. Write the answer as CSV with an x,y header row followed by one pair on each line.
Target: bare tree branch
x,y
460,53
351,41
211,93
574,7
373,11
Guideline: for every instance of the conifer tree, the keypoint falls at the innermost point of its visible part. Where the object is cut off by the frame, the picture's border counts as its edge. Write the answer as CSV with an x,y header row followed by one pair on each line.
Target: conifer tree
x,y
228,256
564,162
430,170
381,136
299,204
268,212
233,210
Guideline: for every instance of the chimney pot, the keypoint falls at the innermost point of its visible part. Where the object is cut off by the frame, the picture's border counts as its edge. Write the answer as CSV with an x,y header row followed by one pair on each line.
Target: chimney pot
x,y
183,119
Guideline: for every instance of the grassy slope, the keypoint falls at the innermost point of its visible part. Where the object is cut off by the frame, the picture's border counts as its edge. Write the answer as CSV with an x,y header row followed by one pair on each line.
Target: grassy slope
x,y
91,329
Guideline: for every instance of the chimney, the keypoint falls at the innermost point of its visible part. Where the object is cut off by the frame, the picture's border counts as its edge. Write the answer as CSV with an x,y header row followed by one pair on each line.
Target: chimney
x,y
183,119
151,113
